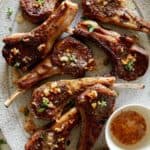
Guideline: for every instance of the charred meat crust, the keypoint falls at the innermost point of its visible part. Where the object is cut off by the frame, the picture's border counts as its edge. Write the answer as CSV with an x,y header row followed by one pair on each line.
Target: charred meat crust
x,y
56,136
129,60
95,106
38,12
24,50
114,12
72,57
69,56
49,100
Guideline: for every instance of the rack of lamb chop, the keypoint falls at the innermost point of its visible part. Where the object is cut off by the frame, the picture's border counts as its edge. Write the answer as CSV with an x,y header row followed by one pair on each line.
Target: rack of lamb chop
x,y
38,11
129,60
56,136
95,105
50,99
25,50
93,99
69,56
114,12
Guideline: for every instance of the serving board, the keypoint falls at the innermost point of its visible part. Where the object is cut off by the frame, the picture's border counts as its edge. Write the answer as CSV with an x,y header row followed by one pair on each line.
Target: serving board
x,y
12,121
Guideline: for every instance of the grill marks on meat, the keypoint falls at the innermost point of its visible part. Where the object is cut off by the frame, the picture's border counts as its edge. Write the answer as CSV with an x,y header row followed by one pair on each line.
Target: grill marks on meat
x,y
69,56
95,106
24,50
55,137
73,57
59,93
114,12
129,60
37,12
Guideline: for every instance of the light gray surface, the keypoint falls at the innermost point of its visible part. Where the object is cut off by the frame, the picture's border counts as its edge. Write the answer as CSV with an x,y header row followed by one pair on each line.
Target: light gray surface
x,y
10,122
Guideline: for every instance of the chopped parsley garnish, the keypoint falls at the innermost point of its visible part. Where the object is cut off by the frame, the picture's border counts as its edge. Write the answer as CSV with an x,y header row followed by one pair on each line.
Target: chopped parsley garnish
x,y
129,66
91,28
44,105
102,103
45,102
9,12
10,29
2,142
17,64
40,2
40,110
72,58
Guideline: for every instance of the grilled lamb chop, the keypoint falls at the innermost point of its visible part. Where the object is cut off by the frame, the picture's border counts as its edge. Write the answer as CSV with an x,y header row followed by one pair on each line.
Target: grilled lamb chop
x,y
114,12
55,137
69,56
38,11
50,99
24,50
129,60
95,106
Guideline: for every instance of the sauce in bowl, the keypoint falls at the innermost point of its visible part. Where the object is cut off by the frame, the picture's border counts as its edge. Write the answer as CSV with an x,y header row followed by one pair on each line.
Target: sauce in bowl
x,y
128,127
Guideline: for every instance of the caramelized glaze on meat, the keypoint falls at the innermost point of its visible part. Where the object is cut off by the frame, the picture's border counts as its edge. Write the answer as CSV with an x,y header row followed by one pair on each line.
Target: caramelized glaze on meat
x,y
55,137
49,100
95,106
36,11
114,12
24,50
69,56
129,60
73,57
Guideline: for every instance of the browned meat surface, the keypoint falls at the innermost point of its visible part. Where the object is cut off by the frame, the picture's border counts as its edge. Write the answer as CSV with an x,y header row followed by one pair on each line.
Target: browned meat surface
x,y
49,100
55,137
114,12
69,56
38,11
95,106
73,57
129,60
24,50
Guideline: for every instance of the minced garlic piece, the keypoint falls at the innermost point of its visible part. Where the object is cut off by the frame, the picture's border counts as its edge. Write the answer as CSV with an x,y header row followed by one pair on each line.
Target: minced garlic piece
x,y
94,105
129,58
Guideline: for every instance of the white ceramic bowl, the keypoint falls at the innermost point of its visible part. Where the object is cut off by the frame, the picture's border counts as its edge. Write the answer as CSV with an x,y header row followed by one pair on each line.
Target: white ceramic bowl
x,y
143,144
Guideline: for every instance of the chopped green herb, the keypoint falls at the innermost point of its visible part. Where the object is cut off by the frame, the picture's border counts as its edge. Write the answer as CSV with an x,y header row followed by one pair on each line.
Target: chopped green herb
x,y
129,66
44,105
17,64
40,2
72,58
9,12
45,102
102,103
10,29
42,109
2,142
91,28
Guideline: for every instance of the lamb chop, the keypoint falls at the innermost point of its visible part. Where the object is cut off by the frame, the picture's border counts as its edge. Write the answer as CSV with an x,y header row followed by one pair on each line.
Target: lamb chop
x,y
69,56
50,99
95,106
24,50
114,12
55,137
129,60
38,11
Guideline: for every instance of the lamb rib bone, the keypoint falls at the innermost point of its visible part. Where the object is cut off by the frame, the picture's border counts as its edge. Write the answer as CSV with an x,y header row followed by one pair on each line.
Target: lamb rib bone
x,y
25,50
